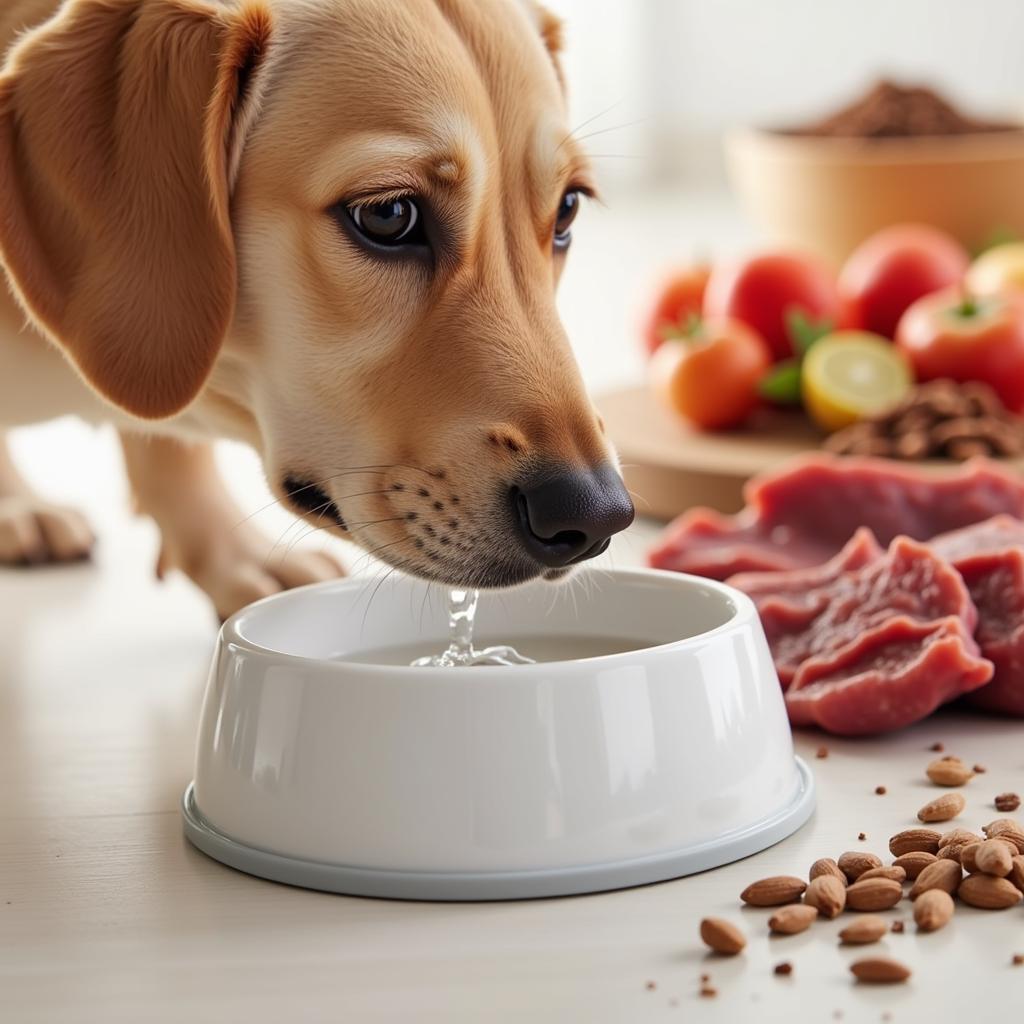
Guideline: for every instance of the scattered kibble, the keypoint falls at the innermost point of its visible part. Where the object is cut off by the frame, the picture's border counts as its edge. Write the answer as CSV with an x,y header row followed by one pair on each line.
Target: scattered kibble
x,y
822,753
980,769
651,986
937,746
862,836
784,969
898,927
1007,802
1018,960
880,790
708,992
705,978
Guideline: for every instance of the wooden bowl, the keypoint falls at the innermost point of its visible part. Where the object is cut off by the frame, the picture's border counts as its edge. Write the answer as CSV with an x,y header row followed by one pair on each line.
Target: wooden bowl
x,y
825,195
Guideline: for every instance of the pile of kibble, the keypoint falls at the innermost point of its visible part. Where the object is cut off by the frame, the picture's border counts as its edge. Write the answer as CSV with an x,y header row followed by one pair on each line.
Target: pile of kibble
x,y
940,419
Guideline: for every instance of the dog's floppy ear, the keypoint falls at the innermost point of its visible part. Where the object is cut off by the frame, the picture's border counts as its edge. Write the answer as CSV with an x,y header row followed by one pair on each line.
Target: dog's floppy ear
x,y
121,122
552,35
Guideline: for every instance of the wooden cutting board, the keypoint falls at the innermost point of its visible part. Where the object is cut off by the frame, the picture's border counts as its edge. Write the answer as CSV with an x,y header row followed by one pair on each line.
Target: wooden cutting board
x,y
670,467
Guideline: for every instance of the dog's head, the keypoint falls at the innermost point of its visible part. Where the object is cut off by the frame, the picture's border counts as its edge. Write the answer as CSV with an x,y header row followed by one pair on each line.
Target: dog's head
x,y
332,228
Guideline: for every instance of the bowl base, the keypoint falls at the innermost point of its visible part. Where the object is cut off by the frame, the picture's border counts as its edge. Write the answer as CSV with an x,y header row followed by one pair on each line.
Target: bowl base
x,y
503,885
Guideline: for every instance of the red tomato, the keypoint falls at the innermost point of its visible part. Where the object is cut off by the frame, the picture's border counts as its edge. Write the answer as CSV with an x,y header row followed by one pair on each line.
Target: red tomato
x,y
762,290
894,268
946,335
680,297
712,375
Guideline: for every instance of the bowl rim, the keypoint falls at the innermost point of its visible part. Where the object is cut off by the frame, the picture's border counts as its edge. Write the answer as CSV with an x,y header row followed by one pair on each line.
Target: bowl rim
x,y
975,147
744,613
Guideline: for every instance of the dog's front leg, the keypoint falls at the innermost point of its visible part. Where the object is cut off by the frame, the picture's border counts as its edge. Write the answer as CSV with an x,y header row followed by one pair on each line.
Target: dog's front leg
x,y
33,530
203,532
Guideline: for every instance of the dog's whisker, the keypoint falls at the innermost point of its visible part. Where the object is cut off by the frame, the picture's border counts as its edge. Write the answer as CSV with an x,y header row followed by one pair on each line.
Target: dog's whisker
x,y
291,526
349,530
614,128
315,484
638,497
590,120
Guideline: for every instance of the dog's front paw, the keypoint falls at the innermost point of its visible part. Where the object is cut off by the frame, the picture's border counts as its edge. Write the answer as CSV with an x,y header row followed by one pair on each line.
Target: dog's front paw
x,y
238,566
33,532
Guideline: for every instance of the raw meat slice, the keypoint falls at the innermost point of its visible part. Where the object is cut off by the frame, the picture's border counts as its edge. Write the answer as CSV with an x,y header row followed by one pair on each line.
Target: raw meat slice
x,y
908,581
862,549
898,675
990,558
871,640
804,513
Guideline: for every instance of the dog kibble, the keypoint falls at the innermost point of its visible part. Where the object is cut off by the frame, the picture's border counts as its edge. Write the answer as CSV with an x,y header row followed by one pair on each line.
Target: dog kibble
x,y
784,969
1007,802
822,753
880,790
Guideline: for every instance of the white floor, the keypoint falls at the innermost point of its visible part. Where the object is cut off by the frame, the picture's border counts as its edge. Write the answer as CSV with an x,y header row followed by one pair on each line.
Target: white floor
x,y
107,915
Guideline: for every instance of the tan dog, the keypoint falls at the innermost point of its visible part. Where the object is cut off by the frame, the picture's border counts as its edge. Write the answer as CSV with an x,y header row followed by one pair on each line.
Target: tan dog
x,y
329,228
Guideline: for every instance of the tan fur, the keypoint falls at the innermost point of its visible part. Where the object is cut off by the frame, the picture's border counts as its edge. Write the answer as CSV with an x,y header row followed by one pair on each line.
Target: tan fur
x,y
171,234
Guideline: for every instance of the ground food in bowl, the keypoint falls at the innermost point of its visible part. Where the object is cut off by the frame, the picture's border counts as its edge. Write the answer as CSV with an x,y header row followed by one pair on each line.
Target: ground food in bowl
x,y
891,110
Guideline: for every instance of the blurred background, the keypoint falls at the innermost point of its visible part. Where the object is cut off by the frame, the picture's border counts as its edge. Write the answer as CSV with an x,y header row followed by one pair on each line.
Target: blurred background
x,y
688,70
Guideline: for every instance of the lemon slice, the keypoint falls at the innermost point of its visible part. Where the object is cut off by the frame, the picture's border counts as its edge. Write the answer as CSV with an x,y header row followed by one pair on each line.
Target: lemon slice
x,y
851,375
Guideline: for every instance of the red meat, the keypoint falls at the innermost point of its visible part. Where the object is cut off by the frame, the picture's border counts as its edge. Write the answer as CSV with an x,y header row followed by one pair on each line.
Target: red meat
x,y
871,641
803,514
990,558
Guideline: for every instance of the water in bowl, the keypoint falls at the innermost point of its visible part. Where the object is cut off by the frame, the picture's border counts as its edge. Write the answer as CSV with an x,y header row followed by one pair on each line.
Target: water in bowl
x,y
460,650
543,647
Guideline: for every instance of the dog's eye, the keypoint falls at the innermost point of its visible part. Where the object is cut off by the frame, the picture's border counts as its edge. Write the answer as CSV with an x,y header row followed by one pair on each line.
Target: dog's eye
x,y
392,223
567,210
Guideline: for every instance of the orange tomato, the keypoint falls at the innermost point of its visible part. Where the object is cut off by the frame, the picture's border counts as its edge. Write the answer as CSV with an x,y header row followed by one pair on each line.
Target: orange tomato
x,y
711,376
680,297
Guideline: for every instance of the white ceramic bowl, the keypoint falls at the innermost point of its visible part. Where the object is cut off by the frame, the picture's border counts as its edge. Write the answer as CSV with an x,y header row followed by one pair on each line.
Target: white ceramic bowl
x,y
494,783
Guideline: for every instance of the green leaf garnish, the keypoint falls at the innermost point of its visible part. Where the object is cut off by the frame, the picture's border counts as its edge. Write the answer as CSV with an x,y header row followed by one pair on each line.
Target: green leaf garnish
x,y
803,331
782,384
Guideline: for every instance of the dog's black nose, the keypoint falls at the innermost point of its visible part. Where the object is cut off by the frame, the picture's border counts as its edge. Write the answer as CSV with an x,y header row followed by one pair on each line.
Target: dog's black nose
x,y
570,516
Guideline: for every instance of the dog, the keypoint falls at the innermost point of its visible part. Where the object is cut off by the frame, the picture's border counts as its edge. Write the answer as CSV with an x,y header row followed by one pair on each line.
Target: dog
x,y
332,229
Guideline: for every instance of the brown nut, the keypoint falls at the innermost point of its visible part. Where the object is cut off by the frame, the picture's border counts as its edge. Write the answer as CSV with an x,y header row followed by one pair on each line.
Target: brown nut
x,y
827,894
994,857
943,874
989,892
949,772
797,917
826,866
863,929
914,863
874,894
722,936
1016,874
933,910
914,840
774,891
967,855
880,971
943,808
853,864
897,874
957,835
